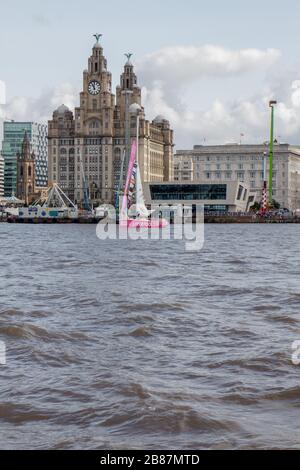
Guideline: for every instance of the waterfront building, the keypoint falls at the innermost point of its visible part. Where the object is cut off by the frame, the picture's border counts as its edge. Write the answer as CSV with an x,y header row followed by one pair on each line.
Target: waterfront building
x,y
1,176
26,172
61,150
86,148
12,145
227,163
230,196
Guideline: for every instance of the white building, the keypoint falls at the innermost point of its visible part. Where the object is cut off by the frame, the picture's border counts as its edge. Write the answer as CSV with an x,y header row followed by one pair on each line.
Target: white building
x,y
234,162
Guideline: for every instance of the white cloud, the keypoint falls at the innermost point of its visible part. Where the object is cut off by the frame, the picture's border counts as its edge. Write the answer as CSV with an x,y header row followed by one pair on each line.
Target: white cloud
x,y
2,92
41,108
187,64
223,120
165,75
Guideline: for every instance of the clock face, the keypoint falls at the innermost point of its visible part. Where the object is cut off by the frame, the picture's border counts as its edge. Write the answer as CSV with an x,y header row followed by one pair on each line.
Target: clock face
x,y
94,87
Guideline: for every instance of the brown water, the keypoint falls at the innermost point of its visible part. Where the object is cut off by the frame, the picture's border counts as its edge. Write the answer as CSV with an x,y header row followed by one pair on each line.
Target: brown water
x,y
143,345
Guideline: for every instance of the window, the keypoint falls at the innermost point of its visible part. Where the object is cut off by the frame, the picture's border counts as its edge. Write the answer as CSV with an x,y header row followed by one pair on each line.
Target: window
x,y
181,192
240,192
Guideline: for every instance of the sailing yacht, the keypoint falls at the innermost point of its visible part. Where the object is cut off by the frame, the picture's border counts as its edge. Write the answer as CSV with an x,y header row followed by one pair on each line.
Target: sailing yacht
x,y
136,215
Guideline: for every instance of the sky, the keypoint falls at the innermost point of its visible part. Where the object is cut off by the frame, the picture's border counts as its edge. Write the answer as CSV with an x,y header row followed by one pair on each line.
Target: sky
x,y
209,67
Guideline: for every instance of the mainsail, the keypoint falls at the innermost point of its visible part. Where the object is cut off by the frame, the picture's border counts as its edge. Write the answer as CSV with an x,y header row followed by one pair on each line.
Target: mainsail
x,y
134,190
130,180
141,208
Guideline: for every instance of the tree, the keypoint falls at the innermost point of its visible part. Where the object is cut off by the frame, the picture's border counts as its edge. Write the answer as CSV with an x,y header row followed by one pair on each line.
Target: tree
x,y
255,207
274,205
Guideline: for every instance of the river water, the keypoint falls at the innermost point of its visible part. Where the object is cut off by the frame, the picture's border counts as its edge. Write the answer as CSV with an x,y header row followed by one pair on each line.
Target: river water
x,y
141,344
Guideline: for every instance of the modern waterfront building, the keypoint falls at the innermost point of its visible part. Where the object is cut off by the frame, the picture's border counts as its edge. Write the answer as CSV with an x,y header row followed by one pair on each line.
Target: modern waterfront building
x,y
227,163
86,148
230,196
1,176
12,145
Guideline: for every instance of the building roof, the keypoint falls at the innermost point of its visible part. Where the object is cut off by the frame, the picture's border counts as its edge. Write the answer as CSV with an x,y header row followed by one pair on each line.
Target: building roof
x,y
62,109
159,118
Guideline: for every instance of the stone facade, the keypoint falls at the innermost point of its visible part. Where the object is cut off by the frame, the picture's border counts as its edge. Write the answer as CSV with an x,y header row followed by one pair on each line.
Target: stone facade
x,y
91,144
244,163
26,172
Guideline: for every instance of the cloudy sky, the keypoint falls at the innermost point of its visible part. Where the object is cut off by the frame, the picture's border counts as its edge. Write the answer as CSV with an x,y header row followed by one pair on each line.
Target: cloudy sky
x,y
210,67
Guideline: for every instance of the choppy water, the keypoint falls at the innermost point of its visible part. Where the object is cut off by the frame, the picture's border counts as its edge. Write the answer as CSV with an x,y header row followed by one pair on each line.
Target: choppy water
x,y
143,345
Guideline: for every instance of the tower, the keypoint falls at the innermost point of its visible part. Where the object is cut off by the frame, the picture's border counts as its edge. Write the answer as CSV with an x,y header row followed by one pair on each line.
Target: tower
x,y
94,123
26,172
61,150
127,93
86,150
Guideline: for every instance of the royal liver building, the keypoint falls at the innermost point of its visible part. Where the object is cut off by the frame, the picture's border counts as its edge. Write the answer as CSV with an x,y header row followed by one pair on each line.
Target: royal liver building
x,y
87,149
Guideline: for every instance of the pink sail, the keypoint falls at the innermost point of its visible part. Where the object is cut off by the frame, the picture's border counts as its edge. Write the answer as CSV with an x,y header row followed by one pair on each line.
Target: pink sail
x,y
128,178
139,222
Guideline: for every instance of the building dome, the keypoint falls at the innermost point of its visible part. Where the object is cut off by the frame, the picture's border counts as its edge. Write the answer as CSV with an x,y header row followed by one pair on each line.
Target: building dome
x,y
62,109
160,118
135,108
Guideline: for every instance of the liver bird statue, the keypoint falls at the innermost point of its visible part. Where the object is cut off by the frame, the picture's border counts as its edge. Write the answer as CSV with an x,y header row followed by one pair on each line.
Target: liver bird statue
x,y
97,36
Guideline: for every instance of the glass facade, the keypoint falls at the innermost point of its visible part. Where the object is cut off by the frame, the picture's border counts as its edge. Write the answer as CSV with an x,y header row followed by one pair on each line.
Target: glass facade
x,y
188,192
12,144
1,176
215,208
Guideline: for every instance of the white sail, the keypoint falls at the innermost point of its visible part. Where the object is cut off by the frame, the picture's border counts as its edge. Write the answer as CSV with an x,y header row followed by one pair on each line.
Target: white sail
x,y
141,208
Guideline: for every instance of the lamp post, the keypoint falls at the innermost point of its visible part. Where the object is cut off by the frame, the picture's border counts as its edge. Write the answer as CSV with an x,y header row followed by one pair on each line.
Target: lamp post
x,y
271,152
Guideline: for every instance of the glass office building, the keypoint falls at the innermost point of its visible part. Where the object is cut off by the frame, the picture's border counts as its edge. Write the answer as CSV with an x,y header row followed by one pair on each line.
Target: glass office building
x,y
1,176
232,196
189,192
12,143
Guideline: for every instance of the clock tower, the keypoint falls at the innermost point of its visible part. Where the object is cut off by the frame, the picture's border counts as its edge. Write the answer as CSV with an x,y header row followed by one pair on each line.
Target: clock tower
x,y
89,150
94,120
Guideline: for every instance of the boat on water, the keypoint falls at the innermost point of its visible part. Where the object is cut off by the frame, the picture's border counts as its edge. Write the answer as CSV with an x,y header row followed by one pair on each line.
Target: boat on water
x,y
133,212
